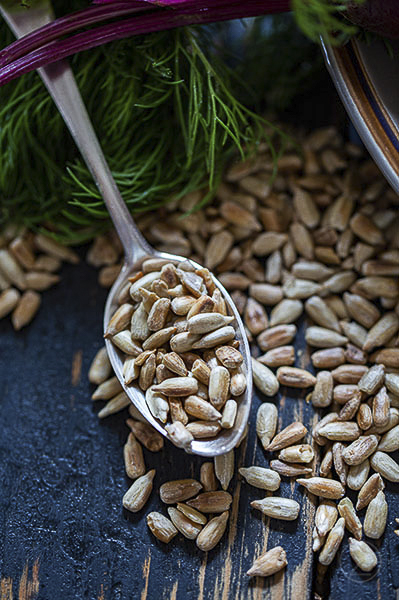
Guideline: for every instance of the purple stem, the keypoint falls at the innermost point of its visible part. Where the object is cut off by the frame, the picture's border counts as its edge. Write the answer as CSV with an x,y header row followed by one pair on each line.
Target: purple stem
x,y
186,12
68,24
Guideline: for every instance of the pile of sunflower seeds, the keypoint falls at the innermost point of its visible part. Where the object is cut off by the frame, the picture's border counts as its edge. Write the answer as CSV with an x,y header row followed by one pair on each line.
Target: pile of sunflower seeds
x,y
179,345
321,240
28,265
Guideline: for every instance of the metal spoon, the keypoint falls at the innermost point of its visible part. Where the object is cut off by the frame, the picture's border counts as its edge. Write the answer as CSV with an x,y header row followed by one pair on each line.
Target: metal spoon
x,y
61,84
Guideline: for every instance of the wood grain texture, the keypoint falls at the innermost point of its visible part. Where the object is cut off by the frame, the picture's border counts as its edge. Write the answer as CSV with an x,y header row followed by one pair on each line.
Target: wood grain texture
x,y
62,481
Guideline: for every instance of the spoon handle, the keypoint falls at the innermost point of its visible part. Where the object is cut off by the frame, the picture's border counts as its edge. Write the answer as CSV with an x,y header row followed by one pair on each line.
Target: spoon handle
x,y
61,84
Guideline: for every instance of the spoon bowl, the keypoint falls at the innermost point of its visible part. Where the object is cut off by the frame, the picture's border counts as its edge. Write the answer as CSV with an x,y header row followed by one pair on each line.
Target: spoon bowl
x,y
226,438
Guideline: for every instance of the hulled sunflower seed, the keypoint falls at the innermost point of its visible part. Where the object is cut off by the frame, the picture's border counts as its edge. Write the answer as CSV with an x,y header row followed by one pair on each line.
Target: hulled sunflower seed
x,y
322,314
133,457
268,563
8,301
11,270
224,468
116,404
201,371
229,357
325,517
290,469
324,338
276,336
215,338
218,248
124,342
329,418
338,283
179,435
349,409
277,357
106,390
194,515
352,521
174,363
179,490
266,293
375,287
158,314
255,317
267,242
120,320
301,453
382,331
343,393
366,230
147,373
357,475
361,310
139,492
238,384
390,440
362,555
264,378
207,322
342,431
266,423
302,240
201,409
354,332
219,381
349,373
27,307
385,465
260,477
100,368
294,377
188,528
376,517
208,477
157,404
161,526
364,417
332,543
203,429
323,390
147,435
392,383
211,502
288,436
341,468
285,312
212,533
326,464
328,358
229,414
323,487
315,271
369,490
177,386
278,508
381,405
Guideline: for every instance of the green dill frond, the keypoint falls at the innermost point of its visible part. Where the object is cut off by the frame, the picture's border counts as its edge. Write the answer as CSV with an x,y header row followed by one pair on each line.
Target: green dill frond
x,y
168,118
324,18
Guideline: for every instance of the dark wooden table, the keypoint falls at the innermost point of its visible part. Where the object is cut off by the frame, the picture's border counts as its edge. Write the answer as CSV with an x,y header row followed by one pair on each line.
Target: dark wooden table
x,y
64,533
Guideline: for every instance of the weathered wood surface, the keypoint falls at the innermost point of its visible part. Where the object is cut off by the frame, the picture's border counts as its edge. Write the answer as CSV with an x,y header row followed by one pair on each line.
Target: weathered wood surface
x,y
63,532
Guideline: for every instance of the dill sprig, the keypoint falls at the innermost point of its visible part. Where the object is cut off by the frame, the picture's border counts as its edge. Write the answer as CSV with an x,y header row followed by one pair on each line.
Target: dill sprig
x,y
168,119
325,18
